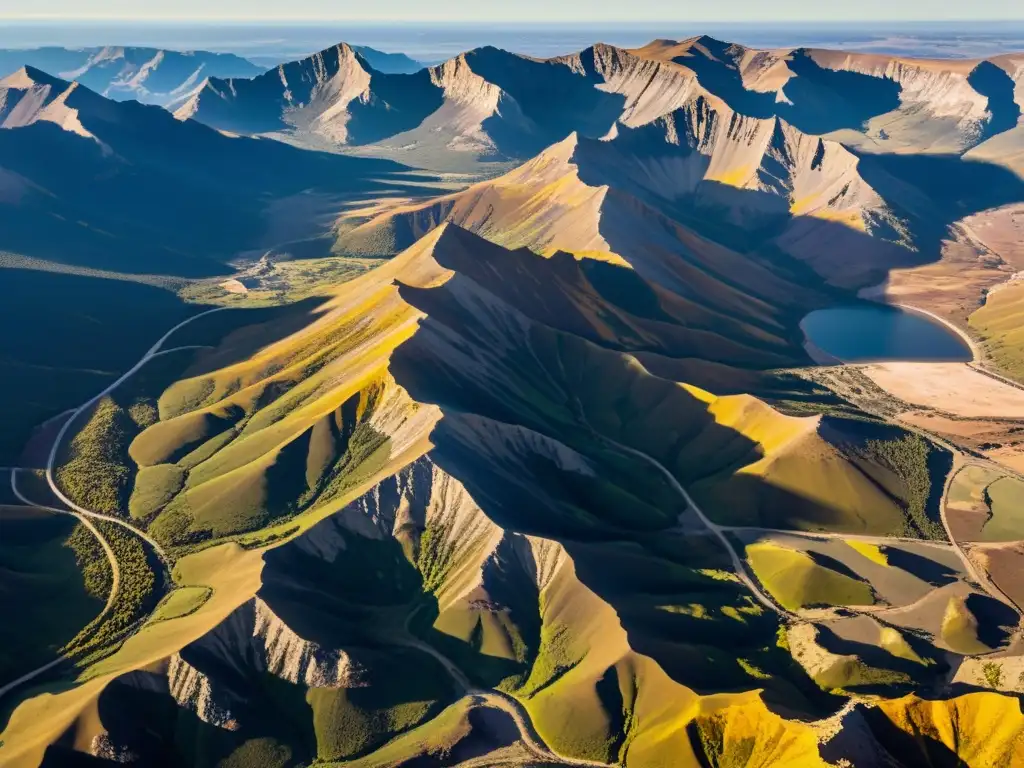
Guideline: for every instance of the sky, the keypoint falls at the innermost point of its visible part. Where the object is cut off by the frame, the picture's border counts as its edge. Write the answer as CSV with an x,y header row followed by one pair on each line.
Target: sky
x,y
583,11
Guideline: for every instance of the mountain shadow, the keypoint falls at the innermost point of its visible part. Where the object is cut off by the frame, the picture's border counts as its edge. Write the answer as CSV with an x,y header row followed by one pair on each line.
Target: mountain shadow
x,y
998,87
550,94
818,100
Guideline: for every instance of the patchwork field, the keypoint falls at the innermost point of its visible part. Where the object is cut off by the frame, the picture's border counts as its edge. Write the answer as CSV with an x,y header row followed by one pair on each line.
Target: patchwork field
x,y
986,505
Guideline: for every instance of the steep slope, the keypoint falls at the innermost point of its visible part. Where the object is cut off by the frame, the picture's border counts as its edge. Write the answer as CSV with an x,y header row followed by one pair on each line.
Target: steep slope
x,y
719,170
448,479
456,477
336,98
549,205
149,75
489,104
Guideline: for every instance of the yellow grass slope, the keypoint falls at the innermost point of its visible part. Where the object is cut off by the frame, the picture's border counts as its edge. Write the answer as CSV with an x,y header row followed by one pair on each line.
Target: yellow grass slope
x,y
975,730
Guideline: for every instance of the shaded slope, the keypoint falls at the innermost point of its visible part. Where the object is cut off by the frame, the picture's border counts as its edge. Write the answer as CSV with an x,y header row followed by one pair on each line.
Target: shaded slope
x,y
127,183
878,102
106,208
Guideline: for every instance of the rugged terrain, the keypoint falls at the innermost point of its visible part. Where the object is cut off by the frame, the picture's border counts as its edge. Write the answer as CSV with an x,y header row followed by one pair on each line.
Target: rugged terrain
x,y
556,482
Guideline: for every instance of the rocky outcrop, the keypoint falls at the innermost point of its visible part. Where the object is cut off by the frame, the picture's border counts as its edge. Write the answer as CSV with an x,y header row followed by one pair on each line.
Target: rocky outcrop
x,y
197,692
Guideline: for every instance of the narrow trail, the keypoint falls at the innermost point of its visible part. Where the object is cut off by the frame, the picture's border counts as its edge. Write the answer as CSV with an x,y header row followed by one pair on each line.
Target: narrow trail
x,y
55,448
498,700
115,581
717,530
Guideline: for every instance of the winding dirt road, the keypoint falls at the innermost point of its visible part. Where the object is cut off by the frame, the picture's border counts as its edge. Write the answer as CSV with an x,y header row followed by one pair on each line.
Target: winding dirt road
x,y
498,700
717,530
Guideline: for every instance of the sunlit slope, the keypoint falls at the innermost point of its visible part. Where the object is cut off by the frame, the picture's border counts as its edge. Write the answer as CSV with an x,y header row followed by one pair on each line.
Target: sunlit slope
x,y
640,198
721,170
978,729
491,104
1000,322
336,97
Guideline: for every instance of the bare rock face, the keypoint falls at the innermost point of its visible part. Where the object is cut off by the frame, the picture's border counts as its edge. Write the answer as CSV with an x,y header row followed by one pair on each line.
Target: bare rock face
x,y
300,661
196,691
254,633
29,96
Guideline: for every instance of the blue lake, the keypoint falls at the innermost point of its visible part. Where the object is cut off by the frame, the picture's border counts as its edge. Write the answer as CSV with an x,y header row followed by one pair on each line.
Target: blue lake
x,y
863,333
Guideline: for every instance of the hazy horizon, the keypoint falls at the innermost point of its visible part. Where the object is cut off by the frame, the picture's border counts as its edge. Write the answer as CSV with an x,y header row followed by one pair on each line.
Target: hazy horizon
x,y
271,43
469,11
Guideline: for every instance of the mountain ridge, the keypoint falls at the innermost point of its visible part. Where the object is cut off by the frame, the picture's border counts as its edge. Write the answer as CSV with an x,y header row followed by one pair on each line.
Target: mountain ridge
x,y
873,102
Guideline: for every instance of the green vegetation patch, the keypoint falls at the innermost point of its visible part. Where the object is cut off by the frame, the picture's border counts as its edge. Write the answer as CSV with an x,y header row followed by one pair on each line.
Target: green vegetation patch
x,y
181,602
913,460
137,594
97,470
993,673
796,581
92,561
97,473
154,488
401,694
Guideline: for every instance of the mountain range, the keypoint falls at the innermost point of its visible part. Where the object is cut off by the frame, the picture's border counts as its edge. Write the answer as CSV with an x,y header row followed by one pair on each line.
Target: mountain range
x,y
558,481
498,105
155,75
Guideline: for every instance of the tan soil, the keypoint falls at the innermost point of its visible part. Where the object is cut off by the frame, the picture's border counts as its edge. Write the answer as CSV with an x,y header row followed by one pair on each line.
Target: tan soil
x,y
953,388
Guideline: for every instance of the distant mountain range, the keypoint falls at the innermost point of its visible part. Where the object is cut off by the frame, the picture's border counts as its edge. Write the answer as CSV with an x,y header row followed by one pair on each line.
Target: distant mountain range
x,y
153,75
494,105
149,75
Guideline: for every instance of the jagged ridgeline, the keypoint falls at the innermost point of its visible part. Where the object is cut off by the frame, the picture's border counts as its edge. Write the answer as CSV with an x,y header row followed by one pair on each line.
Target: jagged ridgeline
x,y
463,474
